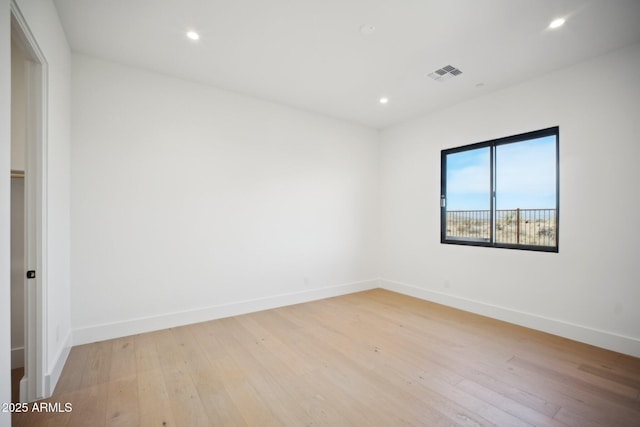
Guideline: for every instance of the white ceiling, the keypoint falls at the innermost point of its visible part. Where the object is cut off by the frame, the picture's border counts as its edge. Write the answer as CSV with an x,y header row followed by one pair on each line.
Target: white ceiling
x,y
311,54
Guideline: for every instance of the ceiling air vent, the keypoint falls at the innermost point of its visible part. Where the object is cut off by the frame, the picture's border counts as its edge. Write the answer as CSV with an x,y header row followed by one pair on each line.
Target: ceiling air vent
x,y
445,73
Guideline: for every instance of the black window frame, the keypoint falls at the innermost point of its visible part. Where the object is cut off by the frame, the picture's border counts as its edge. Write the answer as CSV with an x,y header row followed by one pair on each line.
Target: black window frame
x,y
492,144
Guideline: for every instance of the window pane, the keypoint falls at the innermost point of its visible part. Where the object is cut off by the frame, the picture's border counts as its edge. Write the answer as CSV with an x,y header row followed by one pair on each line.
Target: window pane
x,y
526,192
468,190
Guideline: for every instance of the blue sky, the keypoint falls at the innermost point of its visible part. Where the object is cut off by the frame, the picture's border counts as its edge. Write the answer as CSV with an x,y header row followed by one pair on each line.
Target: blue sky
x,y
525,176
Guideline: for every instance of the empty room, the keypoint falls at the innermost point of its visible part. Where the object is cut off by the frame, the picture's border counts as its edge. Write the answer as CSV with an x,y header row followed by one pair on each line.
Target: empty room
x,y
297,213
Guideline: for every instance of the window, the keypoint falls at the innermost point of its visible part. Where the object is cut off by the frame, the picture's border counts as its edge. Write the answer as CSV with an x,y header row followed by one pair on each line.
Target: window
x,y
502,193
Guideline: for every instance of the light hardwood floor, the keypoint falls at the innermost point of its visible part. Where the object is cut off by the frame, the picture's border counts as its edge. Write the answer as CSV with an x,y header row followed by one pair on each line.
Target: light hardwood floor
x,y
374,358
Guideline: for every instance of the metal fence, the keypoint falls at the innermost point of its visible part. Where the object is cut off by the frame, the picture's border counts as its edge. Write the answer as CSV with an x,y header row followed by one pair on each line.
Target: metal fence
x,y
513,226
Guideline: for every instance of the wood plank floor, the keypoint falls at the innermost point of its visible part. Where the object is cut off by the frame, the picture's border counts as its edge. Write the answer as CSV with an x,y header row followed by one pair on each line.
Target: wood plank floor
x,y
16,376
365,359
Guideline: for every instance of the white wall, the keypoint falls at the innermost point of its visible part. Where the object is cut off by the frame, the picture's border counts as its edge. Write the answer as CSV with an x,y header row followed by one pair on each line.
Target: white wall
x,y
42,19
5,213
590,290
18,107
191,202
17,272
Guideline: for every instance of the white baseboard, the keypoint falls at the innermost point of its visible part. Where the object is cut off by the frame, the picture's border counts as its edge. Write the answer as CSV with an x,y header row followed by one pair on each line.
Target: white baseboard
x,y
52,377
170,320
599,338
17,357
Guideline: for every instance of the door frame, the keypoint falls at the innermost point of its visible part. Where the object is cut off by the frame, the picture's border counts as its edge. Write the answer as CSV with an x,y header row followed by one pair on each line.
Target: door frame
x,y
33,385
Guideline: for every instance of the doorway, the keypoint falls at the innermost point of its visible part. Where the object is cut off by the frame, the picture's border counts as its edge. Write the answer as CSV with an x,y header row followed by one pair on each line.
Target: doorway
x,y
17,273
28,198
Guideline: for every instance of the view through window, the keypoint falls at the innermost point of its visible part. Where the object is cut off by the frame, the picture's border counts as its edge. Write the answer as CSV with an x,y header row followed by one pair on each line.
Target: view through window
x,y
502,193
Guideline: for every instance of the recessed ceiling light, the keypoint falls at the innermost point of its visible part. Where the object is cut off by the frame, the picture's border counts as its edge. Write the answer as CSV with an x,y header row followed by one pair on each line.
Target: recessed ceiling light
x,y
193,35
384,100
557,23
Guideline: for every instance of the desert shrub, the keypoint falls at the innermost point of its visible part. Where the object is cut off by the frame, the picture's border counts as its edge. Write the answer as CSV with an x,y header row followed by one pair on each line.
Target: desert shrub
x,y
509,218
546,232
